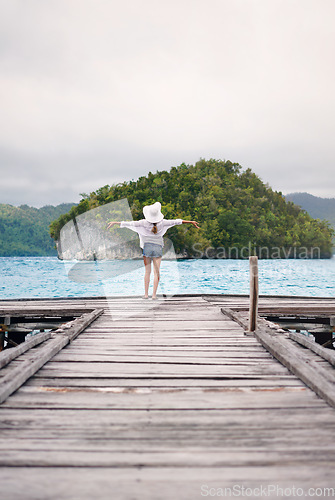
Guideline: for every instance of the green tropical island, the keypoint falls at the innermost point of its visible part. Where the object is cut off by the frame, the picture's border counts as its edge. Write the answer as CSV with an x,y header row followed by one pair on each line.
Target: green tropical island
x,y
239,215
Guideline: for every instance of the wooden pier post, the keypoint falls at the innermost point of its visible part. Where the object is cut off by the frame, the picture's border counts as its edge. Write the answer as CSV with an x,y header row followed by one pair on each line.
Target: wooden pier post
x,y
253,308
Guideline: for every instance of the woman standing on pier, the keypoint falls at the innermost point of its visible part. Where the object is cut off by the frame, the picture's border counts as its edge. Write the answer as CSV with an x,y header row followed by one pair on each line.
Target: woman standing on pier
x,y
151,230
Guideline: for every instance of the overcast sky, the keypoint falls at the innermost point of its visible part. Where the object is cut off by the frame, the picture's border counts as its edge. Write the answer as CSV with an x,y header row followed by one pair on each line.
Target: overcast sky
x,y
95,92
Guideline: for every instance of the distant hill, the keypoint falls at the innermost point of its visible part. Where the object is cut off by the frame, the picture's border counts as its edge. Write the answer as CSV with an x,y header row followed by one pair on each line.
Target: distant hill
x,y
316,207
24,230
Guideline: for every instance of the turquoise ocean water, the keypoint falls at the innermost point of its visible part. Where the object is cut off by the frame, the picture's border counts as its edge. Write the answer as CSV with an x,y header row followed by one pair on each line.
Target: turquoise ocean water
x,y
38,277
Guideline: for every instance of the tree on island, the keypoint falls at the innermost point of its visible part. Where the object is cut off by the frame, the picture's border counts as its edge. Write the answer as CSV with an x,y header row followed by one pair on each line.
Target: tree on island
x,y
235,209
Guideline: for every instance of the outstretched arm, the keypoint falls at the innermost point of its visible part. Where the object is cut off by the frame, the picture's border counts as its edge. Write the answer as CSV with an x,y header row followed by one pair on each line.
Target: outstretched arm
x,y
130,224
111,224
195,224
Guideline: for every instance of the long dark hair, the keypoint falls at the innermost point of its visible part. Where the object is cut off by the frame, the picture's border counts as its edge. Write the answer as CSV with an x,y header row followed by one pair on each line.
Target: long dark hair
x,y
154,229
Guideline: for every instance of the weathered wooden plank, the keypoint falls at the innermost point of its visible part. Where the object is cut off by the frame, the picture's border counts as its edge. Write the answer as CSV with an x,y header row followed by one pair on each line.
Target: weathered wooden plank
x,y
177,351
172,370
321,351
14,352
283,419
174,457
130,441
46,311
146,334
220,344
126,356
162,398
154,483
151,476
161,435
316,377
272,382
158,341
74,328
172,326
159,357
195,299
154,360
140,333
14,378
214,349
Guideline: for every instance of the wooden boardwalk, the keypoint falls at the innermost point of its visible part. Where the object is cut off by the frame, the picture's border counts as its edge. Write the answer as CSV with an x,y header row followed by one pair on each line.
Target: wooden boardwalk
x,y
160,402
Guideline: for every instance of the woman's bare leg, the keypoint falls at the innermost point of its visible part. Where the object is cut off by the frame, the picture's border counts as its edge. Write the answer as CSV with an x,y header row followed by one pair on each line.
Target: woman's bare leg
x,y
157,265
147,263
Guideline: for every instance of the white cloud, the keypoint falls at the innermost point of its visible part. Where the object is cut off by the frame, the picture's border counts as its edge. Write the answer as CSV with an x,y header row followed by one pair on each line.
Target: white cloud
x,y
107,90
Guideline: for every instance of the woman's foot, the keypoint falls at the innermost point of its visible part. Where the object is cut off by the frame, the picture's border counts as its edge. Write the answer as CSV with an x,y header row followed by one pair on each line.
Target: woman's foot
x,y
145,297
154,297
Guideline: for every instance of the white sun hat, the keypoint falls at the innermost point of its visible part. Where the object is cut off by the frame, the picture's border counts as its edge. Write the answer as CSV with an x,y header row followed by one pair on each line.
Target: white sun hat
x,y
153,213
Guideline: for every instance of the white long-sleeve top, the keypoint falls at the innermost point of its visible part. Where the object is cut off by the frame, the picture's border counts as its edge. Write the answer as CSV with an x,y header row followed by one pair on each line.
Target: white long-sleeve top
x,y
144,229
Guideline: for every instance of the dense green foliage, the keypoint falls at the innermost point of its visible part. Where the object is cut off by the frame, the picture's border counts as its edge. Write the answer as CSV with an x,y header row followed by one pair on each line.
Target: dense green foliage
x,y
234,207
24,230
319,208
